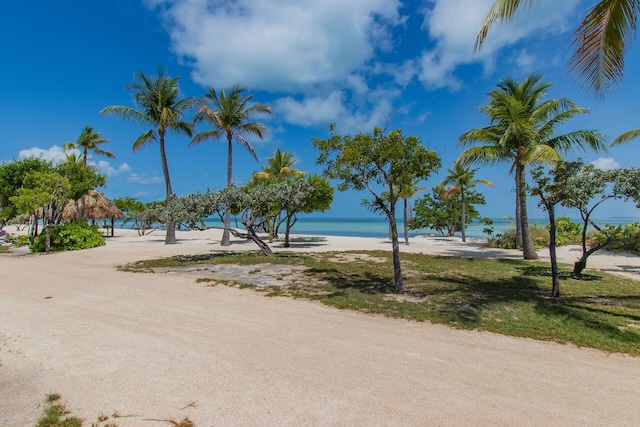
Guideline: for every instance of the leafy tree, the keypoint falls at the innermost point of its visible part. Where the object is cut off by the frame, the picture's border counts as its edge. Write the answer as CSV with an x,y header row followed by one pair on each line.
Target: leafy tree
x,y
279,167
552,190
89,140
12,176
137,212
42,190
463,178
522,131
381,164
82,178
591,187
230,116
160,106
441,210
601,40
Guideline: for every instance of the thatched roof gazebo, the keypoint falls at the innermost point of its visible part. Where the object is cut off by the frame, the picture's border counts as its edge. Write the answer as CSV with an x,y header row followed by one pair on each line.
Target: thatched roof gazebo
x,y
94,206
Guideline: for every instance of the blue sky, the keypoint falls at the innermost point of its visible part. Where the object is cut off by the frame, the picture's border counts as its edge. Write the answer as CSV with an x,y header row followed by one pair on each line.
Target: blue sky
x,y
353,63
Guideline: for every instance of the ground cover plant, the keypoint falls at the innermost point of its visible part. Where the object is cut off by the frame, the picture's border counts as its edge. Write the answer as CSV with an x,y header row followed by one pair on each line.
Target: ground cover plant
x,y
510,297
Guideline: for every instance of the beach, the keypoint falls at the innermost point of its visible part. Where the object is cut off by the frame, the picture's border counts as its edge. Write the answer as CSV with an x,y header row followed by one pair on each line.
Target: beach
x,y
154,347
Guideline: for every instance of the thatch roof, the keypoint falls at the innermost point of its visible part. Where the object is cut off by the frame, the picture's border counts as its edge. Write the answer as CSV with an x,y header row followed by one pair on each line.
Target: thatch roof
x,y
93,206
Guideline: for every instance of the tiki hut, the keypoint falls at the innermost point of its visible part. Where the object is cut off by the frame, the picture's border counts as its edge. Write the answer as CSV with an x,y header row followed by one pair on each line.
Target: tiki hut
x,y
94,206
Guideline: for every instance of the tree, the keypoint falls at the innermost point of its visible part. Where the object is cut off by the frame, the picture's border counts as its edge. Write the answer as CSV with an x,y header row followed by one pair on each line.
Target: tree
x,y
160,106
42,190
552,190
230,116
279,167
89,140
601,40
463,178
381,164
588,189
522,131
407,192
626,137
82,178
440,211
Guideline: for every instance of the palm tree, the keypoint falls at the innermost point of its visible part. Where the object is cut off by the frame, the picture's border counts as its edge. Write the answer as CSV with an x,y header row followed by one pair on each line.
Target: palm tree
x,y
626,137
279,167
463,178
161,107
601,40
522,131
230,117
89,140
407,192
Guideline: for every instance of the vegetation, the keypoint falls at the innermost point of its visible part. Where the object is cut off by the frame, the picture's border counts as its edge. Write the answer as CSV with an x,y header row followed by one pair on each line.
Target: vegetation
x,y
601,40
503,296
69,237
89,140
522,131
382,164
230,117
159,105
462,178
625,238
441,210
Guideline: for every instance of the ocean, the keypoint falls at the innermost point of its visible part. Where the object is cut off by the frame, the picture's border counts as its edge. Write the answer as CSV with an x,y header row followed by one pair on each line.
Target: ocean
x,y
378,226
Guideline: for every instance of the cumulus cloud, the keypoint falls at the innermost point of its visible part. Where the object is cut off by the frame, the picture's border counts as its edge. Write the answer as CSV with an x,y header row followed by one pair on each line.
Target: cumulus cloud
x,y
55,153
453,25
278,45
606,163
105,167
145,180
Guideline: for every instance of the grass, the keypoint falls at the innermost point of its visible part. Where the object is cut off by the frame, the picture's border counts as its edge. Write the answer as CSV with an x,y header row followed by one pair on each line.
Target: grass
x,y
509,297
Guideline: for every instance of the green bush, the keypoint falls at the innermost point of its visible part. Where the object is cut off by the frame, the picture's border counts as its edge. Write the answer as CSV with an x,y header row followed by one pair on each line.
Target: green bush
x,y
626,238
19,239
567,232
70,237
507,240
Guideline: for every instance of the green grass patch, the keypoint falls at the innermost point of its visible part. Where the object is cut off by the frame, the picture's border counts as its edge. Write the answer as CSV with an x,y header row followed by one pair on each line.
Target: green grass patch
x,y
509,297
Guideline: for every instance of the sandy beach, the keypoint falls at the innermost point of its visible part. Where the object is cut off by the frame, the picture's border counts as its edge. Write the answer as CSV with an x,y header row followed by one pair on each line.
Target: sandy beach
x,y
153,347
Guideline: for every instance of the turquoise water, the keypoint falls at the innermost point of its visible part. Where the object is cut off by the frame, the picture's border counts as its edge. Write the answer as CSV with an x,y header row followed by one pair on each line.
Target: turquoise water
x,y
378,227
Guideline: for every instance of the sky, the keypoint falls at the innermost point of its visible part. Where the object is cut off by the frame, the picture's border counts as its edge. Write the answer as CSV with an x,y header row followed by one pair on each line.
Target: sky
x,y
359,64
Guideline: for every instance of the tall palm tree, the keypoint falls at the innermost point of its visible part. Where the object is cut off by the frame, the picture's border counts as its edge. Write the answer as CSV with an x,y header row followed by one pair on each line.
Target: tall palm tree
x,y
279,167
160,106
601,40
463,178
230,116
89,140
406,193
522,131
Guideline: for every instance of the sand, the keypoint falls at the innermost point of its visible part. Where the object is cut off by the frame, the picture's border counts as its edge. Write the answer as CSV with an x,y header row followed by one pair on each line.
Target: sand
x,y
160,346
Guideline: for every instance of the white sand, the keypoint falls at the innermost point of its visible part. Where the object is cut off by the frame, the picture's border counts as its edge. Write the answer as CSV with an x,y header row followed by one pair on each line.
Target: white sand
x,y
160,346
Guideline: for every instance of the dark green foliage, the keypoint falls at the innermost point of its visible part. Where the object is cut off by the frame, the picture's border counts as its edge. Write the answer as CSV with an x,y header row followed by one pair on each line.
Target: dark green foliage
x,y
82,178
442,214
567,232
69,237
12,175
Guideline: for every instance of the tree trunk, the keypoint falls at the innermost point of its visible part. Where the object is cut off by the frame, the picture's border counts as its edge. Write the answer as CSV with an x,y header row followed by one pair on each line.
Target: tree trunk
x,y
397,270
170,238
518,215
555,273
288,229
251,235
226,239
528,250
463,217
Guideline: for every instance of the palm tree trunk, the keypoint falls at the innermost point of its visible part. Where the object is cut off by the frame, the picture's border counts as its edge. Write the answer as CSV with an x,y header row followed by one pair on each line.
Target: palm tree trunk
x,y
518,215
170,238
528,251
226,239
463,217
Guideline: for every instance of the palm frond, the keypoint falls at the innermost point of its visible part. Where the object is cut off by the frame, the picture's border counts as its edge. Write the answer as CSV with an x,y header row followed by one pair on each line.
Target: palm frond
x,y
501,11
626,137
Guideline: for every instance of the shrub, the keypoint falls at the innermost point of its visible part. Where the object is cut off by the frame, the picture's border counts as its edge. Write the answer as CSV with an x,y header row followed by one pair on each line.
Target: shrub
x,y
625,238
567,232
70,237
19,239
507,240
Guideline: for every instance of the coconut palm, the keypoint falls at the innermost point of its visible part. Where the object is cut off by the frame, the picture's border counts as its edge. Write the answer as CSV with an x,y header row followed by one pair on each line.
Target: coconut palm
x,y
522,131
626,137
160,106
601,40
463,178
279,167
230,116
406,193
89,140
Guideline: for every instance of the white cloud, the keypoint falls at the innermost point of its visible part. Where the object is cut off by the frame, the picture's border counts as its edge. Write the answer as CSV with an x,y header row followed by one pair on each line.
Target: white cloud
x,y
606,163
55,153
278,45
105,167
146,180
453,26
